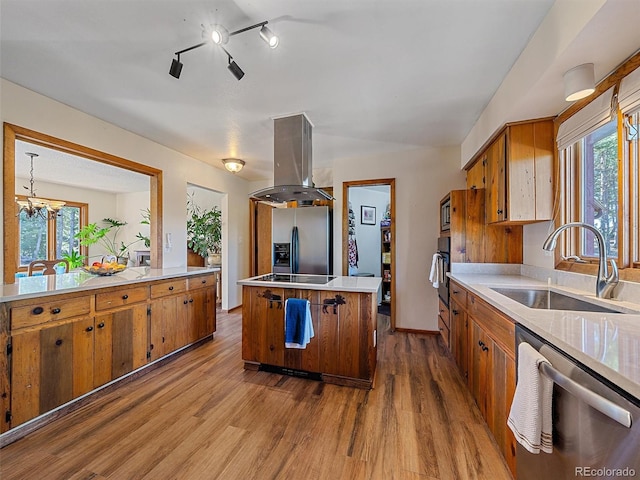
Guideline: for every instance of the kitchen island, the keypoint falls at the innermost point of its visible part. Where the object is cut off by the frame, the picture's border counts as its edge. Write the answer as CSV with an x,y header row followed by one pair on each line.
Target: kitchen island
x,y
344,316
68,335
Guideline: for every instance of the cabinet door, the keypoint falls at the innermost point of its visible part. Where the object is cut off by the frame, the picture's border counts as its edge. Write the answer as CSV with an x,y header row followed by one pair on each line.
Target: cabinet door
x,y
49,367
202,313
500,396
496,183
169,325
120,343
475,175
263,324
479,366
459,342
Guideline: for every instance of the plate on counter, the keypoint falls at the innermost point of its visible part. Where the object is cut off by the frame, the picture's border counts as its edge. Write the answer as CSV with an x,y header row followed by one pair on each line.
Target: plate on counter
x,y
105,269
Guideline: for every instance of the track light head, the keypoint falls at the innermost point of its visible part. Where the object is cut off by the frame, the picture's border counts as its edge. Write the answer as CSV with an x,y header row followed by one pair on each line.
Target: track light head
x,y
176,67
268,36
235,69
219,35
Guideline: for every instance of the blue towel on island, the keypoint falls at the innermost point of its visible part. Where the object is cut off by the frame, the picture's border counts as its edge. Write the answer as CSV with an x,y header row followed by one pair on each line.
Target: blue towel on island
x,y
298,327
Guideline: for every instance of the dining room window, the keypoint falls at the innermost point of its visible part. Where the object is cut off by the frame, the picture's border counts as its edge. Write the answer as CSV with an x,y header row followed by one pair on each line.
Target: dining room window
x,y
40,238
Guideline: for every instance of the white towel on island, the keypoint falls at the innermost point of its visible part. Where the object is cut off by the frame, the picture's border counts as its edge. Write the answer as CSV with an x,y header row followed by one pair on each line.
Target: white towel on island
x,y
434,275
530,418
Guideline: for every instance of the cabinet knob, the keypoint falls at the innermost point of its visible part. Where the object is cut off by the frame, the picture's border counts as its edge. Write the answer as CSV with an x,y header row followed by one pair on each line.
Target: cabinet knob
x,y
124,297
204,281
37,310
455,312
59,342
455,292
171,287
101,325
191,300
55,311
481,343
499,212
89,329
485,348
185,301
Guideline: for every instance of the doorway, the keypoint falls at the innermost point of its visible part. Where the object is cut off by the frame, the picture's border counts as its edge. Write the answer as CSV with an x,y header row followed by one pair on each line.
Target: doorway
x,y
368,236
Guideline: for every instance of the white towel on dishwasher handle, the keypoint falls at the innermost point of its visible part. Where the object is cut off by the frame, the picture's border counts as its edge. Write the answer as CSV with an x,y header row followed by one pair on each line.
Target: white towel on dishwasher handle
x,y
530,417
435,273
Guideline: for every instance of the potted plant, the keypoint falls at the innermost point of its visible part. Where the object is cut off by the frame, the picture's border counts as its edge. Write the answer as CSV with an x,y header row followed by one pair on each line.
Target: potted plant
x,y
204,232
107,237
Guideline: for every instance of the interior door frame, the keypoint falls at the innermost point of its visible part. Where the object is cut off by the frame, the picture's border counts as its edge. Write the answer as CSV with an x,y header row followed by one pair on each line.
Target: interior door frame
x,y
391,182
15,132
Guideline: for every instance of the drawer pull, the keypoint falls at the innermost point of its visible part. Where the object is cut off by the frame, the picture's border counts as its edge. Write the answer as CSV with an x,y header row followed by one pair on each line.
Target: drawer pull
x,y
89,329
37,310
101,325
55,311
455,312
124,297
185,302
455,292
58,342
191,300
204,281
171,287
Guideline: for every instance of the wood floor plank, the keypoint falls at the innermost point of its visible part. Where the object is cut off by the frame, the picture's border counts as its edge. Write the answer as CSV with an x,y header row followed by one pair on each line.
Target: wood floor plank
x,y
202,416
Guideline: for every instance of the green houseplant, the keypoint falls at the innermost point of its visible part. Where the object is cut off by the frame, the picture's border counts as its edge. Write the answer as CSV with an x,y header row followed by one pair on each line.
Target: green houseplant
x,y
204,230
107,238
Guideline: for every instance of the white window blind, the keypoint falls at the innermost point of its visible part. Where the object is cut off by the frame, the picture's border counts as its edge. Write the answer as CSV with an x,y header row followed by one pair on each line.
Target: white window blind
x,y
587,120
629,94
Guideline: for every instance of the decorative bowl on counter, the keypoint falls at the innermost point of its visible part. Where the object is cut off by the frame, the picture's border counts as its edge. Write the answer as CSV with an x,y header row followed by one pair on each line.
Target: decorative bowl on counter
x,y
104,269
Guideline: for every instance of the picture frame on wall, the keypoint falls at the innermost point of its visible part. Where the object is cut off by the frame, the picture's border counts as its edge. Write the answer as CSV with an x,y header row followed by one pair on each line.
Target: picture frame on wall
x,y
367,215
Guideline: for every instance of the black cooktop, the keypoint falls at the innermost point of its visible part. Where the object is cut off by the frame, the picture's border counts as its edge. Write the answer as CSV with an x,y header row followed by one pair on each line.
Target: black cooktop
x,y
295,278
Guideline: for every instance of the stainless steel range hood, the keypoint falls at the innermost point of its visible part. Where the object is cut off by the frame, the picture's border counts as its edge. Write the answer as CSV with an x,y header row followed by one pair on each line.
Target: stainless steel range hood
x,y
292,168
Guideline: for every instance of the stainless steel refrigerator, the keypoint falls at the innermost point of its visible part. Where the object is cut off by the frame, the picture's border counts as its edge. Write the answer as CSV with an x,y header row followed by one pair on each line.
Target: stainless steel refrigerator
x,y
301,240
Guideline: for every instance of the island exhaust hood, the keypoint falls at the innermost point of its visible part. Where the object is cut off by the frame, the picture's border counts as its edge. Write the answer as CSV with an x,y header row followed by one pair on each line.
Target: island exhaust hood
x,y
292,163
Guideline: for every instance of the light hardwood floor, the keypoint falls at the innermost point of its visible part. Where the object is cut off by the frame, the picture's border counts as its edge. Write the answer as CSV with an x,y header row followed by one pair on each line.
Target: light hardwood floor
x,y
203,417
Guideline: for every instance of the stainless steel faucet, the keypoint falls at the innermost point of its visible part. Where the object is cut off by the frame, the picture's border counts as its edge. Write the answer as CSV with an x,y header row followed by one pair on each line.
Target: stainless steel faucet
x,y
605,283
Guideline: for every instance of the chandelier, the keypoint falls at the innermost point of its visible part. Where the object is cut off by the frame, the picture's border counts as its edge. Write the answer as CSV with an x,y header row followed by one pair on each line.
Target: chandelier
x,y
35,206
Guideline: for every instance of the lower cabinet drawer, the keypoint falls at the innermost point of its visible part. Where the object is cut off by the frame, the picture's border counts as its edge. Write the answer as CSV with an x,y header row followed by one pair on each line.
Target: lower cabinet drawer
x,y
121,297
37,313
171,287
201,281
443,311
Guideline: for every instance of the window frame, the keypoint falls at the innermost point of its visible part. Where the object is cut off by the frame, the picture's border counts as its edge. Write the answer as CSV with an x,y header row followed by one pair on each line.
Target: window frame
x,y
51,231
567,174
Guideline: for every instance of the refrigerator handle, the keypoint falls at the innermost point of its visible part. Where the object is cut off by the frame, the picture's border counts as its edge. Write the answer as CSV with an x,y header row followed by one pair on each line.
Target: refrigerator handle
x,y
294,250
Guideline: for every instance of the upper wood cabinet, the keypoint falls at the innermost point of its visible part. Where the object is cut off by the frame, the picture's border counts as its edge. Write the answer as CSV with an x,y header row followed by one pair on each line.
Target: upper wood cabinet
x,y
475,174
518,173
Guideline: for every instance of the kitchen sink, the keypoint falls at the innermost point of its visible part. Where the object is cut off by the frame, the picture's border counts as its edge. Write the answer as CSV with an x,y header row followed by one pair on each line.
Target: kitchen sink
x,y
550,300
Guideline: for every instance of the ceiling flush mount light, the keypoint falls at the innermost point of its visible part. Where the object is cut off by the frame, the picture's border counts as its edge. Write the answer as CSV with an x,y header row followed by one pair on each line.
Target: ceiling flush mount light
x,y
35,206
234,165
219,35
579,82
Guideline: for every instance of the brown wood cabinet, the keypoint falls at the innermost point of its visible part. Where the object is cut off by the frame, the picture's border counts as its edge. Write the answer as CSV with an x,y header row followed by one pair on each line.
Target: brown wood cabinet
x,y
519,165
444,325
62,346
483,343
343,348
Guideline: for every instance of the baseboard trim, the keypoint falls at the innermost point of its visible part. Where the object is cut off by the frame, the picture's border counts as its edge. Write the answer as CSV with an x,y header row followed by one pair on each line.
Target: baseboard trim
x,y
417,332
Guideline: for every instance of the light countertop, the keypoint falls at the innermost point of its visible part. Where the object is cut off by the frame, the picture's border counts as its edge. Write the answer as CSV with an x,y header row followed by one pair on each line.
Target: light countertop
x,y
43,285
608,343
339,284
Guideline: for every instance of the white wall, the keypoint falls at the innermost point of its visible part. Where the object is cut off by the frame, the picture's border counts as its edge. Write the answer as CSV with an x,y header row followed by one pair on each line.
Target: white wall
x,y
368,236
423,177
28,109
129,209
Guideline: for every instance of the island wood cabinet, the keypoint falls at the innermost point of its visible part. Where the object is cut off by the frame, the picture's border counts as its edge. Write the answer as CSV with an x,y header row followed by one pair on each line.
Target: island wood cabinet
x,y
343,349
63,346
485,346
519,169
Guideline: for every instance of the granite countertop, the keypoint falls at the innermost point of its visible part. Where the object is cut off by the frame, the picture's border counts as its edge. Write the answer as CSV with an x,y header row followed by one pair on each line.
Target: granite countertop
x,y
608,343
339,284
44,285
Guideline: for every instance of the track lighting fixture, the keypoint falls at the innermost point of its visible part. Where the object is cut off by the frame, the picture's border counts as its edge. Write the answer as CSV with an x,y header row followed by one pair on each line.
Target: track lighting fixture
x,y
268,36
219,35
176,67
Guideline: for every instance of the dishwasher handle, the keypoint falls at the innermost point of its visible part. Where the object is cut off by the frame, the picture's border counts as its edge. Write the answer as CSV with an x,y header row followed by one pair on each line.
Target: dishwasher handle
x,y
603,405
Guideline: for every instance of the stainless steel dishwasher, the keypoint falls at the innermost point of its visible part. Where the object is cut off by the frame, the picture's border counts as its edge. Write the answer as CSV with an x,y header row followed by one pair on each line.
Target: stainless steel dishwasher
x,y
596,426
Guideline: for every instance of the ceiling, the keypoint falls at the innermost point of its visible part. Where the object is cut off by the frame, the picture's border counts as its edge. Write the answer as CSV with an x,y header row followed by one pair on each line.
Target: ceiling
x,y
373,76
